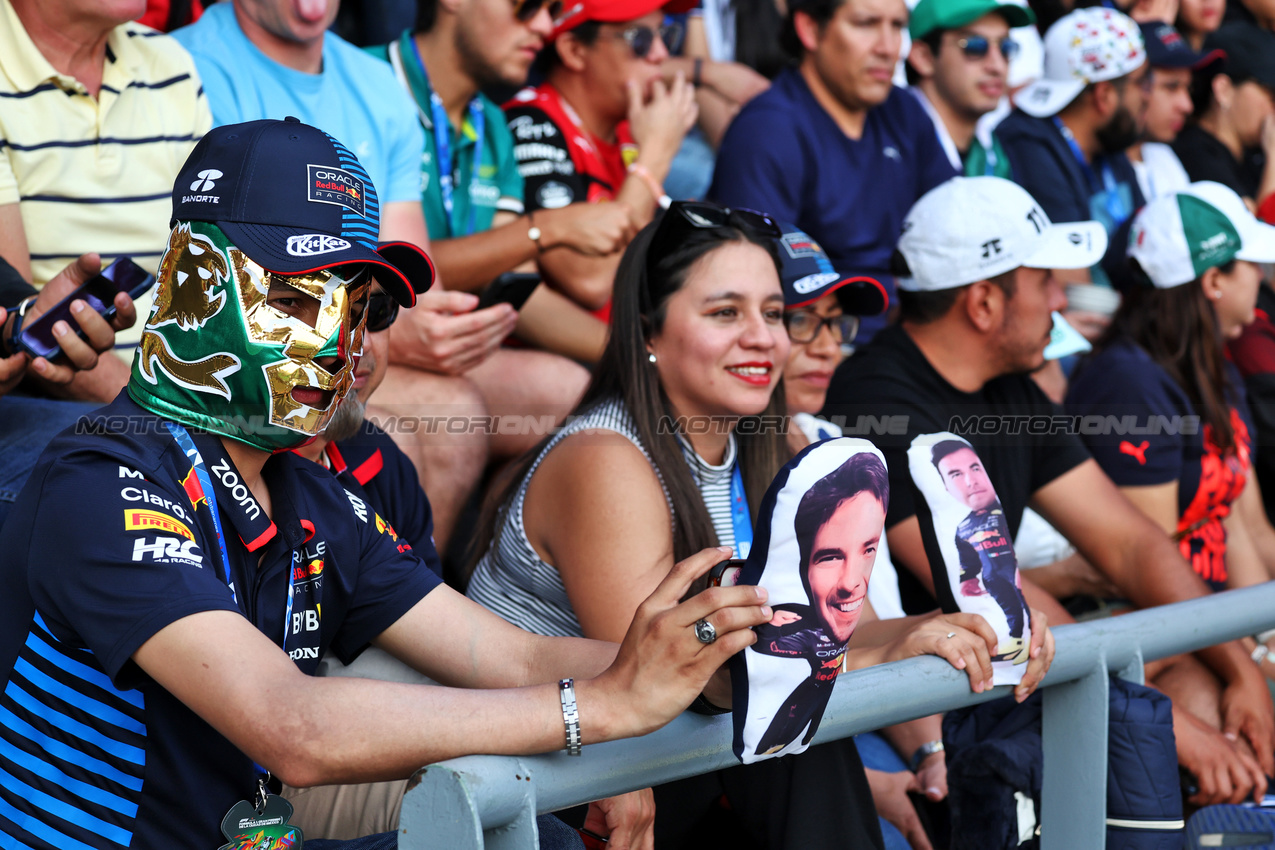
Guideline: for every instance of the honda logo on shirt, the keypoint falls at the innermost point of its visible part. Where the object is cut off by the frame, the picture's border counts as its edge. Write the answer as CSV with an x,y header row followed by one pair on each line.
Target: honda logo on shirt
x,y
167,550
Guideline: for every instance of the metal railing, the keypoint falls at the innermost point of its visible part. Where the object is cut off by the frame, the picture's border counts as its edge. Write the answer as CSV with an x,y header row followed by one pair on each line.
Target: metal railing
x,y
491,801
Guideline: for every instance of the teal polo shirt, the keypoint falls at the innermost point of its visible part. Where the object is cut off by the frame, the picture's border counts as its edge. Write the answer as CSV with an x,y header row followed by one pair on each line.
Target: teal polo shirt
x,y
494,185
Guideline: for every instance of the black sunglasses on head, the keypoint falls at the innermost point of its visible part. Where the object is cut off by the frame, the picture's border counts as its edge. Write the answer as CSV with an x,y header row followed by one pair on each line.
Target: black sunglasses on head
x,y
683,218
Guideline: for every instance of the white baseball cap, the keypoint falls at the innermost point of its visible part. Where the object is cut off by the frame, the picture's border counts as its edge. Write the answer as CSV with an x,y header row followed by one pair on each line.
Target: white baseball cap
x,y
1178,237
1087,46
974,228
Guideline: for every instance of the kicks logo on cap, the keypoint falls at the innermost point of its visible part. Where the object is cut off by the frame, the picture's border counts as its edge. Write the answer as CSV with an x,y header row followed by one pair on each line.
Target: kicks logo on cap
x,y
313,244
811,282
205,182
331,185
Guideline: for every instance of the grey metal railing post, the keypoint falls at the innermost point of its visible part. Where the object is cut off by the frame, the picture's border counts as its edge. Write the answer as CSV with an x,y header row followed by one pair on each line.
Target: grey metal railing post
x,y
1074,735
460,806
465,802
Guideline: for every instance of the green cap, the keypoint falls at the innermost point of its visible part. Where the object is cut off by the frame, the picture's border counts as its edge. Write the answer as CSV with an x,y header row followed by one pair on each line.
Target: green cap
x,y
931,15
1178,237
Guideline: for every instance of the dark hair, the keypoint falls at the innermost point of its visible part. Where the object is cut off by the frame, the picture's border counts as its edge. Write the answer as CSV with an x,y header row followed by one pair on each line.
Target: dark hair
x,y
933,40
548,59
1202,98
1180,331
426,15
626,373
863,473
758,31
921,308
943,448
820,11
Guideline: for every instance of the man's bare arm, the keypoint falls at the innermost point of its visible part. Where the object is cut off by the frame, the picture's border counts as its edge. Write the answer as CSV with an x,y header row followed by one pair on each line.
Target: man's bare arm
x,y
353,730
1143,561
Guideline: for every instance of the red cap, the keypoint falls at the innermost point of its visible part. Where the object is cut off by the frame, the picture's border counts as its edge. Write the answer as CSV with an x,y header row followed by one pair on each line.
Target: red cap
x,y
576,12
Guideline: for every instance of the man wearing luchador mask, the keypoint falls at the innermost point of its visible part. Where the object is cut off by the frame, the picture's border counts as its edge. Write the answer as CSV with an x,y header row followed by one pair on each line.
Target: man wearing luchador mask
x,y
171,574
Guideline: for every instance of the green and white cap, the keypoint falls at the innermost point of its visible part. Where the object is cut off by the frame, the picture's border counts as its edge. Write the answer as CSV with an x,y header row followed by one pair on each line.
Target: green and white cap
x,y
1178,237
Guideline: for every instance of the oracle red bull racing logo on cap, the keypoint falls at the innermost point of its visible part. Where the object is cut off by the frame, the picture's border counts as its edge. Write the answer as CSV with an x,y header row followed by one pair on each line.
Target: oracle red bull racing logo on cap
x,y
331,185
800,245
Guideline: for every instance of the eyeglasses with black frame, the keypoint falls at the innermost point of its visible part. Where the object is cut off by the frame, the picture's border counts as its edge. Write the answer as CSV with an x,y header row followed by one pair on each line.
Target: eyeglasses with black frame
x,y
641,38
804,326
525,10
685,217
977,46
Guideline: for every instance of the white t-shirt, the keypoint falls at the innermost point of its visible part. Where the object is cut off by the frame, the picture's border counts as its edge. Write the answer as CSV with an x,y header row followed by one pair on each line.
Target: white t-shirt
x,y
1160,172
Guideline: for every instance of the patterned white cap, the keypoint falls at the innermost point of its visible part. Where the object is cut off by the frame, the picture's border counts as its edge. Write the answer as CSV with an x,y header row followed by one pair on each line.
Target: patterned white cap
x,y
1087,46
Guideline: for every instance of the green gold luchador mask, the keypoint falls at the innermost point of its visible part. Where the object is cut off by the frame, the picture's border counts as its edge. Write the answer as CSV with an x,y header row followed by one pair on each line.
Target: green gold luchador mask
x,y
217,355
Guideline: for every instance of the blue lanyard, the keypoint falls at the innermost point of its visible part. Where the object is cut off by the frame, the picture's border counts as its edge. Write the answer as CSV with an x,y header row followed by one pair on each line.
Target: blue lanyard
x,y
187,445
1111,191
739,515
443,148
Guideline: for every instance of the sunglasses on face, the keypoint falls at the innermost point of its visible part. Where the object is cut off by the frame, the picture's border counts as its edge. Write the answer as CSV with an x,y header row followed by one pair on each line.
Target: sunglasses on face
x,y
804,326
525,10
641,38
683,218
977,46
382,310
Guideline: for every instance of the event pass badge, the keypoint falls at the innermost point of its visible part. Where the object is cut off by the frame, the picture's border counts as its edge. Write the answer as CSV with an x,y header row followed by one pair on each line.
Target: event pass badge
x,y
265,827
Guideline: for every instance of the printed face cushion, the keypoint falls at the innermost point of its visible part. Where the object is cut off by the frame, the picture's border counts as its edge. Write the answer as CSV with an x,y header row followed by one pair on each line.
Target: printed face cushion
x,y
815,543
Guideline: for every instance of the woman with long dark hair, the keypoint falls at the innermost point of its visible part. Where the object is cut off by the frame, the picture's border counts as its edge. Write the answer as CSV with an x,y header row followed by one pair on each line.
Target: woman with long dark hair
x,y
1164,415
1167,411
670,451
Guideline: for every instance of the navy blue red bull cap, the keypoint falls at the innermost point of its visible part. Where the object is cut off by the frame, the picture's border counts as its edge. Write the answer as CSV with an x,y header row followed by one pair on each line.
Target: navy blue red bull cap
x,y
807,275
294,200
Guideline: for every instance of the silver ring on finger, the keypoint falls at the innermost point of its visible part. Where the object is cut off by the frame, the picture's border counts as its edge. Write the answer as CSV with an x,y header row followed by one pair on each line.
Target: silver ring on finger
x,y
705,632
950,635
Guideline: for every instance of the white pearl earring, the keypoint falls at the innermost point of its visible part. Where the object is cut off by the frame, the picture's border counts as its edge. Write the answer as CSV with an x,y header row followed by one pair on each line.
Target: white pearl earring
x,y
651,357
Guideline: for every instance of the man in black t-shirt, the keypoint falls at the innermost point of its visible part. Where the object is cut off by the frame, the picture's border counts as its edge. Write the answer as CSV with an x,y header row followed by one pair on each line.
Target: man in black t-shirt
x,y
975,299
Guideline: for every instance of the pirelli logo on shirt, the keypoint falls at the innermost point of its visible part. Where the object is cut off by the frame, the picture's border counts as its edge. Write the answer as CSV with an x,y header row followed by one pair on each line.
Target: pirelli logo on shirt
x,y
138,519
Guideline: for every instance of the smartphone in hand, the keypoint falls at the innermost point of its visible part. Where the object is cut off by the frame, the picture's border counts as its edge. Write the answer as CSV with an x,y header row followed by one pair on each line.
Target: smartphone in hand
x,y
98,292
726,574
512,288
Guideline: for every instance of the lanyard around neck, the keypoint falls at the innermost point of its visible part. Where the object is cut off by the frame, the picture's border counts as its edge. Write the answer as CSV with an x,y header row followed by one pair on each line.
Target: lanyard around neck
x,y
740,517
1111,191
443,149
188,447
